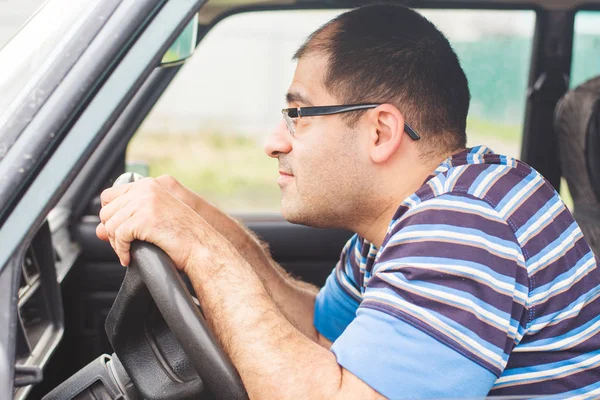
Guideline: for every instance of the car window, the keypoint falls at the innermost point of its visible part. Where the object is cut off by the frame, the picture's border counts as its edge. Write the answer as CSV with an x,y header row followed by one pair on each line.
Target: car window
x,y
586,47
209,126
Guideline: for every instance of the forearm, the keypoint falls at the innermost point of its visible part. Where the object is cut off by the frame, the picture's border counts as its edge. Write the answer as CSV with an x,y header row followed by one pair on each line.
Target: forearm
x,y
273,358
294,298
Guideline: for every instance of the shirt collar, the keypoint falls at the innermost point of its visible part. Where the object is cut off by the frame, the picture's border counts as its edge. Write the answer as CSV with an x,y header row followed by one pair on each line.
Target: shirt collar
x,y
473,155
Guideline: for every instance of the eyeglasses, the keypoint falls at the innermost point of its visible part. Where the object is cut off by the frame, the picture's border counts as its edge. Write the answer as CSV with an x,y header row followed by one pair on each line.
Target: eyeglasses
x,y
291,114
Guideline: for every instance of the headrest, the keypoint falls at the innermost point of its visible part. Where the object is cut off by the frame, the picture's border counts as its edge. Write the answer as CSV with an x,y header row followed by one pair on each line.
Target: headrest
x,y
577,124
592,150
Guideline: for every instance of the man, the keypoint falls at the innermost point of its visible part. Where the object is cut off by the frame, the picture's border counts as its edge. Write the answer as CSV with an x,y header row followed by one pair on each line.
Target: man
x,y
467,274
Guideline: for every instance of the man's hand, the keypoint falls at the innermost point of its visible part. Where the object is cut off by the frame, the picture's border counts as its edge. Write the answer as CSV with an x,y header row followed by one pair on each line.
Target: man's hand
x,y
146,211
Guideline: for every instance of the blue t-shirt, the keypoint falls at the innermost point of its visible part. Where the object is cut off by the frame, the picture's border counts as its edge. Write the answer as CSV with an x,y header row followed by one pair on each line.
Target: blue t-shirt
x,y
483,284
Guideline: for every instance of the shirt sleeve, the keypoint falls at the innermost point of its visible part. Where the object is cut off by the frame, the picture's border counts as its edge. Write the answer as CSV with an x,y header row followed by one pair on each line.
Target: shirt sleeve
x,y
447,292
401,361
338,300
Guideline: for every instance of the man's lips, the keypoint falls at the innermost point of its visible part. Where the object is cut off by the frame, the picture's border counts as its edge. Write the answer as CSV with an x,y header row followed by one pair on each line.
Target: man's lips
x,y
284,177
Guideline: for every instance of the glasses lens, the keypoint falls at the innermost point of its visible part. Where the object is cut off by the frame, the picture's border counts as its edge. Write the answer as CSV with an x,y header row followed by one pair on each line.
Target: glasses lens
x,y
289,121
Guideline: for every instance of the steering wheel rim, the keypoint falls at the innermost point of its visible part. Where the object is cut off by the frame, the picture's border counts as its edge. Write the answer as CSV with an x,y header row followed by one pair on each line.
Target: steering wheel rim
x,y
186,322
183,317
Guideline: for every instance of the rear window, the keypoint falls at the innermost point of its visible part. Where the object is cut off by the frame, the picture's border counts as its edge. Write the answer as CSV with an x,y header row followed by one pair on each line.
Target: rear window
x,y
586,47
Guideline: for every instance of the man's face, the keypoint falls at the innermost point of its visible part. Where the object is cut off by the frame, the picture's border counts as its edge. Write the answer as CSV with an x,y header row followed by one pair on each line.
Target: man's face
x,y
322,168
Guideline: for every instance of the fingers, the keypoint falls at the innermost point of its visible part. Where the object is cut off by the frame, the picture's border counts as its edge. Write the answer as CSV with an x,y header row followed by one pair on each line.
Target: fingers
x,y
101,232
108,195
124,235
114,213
109,209
118,205
117,198
121,249
118,231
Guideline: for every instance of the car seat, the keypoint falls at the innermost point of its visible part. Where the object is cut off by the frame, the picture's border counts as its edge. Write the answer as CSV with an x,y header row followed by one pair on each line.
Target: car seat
x,y
577,124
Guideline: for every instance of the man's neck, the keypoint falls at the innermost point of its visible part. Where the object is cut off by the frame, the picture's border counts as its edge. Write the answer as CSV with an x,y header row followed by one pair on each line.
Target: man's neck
x,y
375,228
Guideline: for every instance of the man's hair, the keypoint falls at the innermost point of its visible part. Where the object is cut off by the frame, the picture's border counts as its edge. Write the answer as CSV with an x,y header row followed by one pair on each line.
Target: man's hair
x,y
391,54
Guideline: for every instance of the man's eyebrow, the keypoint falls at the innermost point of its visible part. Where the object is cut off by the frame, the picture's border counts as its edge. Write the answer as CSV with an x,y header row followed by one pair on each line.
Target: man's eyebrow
x,y
295,97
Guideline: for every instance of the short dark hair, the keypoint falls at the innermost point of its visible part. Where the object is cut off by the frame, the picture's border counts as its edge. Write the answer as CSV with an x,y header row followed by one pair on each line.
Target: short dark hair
x,y
388,53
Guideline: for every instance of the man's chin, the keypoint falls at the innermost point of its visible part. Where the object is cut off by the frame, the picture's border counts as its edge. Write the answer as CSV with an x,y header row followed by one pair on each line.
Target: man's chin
x,y
293,213
289,214
296,215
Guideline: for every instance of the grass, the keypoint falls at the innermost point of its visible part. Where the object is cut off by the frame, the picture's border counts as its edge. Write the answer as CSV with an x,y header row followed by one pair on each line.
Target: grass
x,y
509,133
565,194
230,171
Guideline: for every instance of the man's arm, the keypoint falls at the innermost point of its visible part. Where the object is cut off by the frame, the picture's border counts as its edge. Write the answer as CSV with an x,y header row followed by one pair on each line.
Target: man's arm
x,y
294,298
274,359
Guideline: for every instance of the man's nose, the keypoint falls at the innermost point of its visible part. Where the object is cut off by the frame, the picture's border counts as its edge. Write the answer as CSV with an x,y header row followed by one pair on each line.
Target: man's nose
x,y
279,141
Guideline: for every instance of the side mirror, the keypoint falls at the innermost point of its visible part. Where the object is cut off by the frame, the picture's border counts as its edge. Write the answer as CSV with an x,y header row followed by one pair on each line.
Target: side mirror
x,y
183,46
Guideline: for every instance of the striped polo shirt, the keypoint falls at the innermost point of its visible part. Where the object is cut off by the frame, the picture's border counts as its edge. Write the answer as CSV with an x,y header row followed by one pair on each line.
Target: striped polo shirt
x,y
483,283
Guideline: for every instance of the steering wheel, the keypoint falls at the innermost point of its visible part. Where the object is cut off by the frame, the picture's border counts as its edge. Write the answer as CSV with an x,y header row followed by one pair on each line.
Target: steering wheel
x,y
160,336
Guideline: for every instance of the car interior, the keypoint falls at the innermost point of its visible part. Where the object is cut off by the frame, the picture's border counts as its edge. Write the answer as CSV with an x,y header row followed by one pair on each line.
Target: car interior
x,y
78,318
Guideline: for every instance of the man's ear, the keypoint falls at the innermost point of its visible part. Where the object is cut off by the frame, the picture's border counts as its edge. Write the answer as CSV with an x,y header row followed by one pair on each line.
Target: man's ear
x,y
386,124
